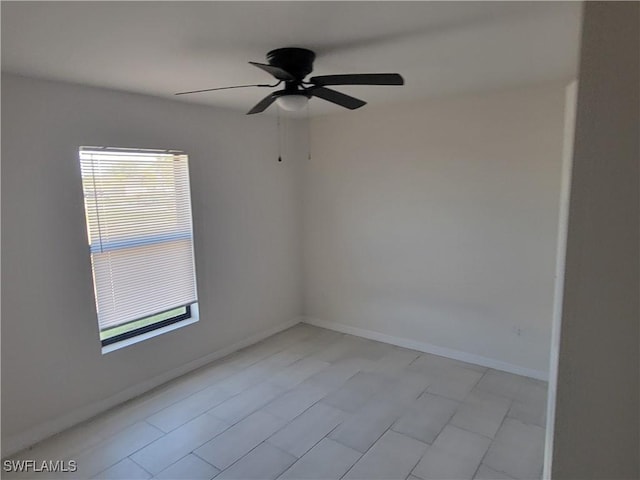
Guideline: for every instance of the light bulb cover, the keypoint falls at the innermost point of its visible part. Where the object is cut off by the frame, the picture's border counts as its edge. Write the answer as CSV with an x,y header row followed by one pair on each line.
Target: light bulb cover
x,y
292,103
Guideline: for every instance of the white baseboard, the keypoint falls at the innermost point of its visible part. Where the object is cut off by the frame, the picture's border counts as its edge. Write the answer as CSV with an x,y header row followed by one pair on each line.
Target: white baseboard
x,y
15,443
429,348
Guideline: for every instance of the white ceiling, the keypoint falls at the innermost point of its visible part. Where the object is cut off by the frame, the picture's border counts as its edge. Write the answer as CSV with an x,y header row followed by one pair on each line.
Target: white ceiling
x,y
159,48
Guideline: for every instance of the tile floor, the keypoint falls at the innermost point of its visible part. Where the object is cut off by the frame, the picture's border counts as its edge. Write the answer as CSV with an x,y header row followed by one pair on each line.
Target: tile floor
x,y
310,403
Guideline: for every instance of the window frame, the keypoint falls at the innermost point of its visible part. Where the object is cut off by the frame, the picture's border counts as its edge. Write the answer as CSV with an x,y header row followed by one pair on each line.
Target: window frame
x,y
191,310
148,328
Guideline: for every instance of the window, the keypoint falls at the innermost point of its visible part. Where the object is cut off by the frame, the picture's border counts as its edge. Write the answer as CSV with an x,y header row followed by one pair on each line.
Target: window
x,y
138,214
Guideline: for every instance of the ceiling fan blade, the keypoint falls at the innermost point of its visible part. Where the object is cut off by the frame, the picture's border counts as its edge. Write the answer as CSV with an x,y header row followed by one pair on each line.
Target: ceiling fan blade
x,y
263,104
277,72
359,79
338,98
227,88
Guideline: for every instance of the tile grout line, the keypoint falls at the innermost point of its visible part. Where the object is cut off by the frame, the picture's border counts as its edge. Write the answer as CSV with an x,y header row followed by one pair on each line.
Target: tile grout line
x,y
388,428
326,436
491,445
232,396
126,456
284,426
204,413
317,344
370,447
221,470
493,439
129,457
190,452
448,423
174,383
274,433
178,460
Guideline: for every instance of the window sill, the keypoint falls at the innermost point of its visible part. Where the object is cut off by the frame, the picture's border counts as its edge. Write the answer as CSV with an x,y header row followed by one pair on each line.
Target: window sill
x,y
195,316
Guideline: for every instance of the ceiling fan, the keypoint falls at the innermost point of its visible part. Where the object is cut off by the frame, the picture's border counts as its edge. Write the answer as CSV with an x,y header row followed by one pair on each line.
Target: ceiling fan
x,y
291,66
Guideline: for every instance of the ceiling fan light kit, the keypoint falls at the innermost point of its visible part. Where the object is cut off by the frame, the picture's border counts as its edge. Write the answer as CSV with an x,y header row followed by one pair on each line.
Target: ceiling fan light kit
x,y
291,65
292,103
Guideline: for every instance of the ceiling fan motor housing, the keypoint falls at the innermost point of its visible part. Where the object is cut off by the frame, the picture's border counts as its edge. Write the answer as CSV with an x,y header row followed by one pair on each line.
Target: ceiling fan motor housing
x,y
297,61
291,65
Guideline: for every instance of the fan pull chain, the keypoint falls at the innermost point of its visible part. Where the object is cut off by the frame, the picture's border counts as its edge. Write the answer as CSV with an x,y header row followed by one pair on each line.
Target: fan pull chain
x,y
308,134
279,139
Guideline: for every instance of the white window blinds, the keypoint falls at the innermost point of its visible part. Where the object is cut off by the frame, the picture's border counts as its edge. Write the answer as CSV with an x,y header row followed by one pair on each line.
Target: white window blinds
x,y
138,211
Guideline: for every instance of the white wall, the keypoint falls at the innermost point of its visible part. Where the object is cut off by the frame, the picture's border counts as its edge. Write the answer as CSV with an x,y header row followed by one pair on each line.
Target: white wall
x,y
435,223
597,420
246,222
